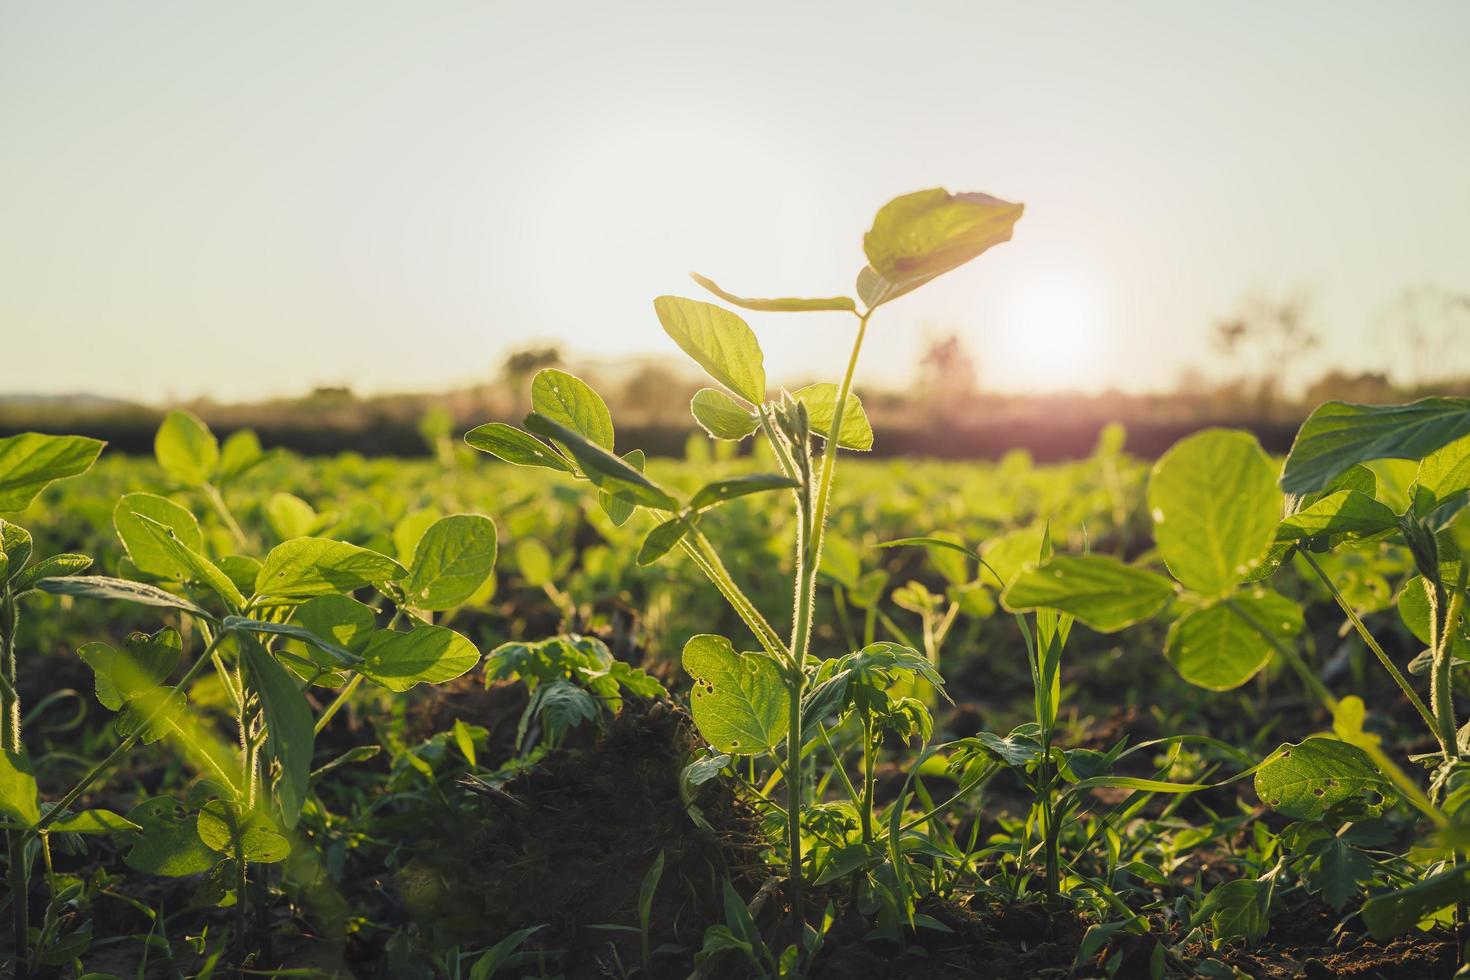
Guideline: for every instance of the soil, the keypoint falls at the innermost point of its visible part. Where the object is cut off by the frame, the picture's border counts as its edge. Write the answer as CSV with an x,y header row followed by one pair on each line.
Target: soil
x,y
567,845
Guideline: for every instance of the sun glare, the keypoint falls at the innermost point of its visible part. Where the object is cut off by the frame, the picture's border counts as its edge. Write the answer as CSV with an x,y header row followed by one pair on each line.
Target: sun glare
x,y
1048,335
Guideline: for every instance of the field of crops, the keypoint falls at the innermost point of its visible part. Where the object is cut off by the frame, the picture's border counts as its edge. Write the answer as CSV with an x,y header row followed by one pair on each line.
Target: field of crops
x,y
541,707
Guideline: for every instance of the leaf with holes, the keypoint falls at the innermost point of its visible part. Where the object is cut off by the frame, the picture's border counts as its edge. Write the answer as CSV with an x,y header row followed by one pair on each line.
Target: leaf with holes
x,y
740,700
1304,781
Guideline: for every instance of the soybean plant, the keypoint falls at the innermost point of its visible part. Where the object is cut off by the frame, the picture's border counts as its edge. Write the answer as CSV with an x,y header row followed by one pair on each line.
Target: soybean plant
x,y
752,704
276,631
1227,519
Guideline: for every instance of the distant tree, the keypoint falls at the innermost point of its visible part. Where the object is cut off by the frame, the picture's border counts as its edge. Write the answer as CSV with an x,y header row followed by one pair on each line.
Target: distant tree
x,y
1366,387
521,364
948,380
657,393
1430,324
1269,335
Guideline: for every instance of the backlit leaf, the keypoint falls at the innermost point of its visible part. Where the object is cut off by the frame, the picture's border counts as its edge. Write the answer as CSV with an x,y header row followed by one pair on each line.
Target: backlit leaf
x,y
427,654
821,406
719,341
722,416
924,234
29,462
306,567
453,559
780,305
1102,592
1214,647
740,701
1304,781
145,551
186,449
514,446
1215,509
570,401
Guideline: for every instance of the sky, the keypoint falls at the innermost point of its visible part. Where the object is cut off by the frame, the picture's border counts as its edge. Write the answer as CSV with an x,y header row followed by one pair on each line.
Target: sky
x,y
248,200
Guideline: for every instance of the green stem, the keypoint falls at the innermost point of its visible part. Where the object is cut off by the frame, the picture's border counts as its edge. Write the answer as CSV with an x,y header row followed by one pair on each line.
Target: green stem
x,y
1367,638
697,547
217,499
1441,697
801,632
868,781
337,702
1293,659
10,741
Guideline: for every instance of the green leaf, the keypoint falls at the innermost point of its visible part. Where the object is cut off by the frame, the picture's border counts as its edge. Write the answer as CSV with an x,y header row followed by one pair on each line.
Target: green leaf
x,y
739,486
137,669
240,453
1388,915
1215,509
31,461
662,539
220,826
339,653
338,618
1008,555
290,738
740,701
93,822
166,842
781,305
1442,474
427,654
290,516
821,406
924,234
143,548
514,446
1304,781
605,470
16,548
20,800
196,567
306,567
1214,648
186,449
1341,868
568,400
722,416
1339,434
1346,512
57,566
1102,592
616,507
105,587
1239,909
453,559
719,341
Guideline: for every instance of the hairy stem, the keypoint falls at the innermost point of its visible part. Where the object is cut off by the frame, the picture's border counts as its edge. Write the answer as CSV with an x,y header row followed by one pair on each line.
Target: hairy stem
x,y
1441,697
1367,638
10,741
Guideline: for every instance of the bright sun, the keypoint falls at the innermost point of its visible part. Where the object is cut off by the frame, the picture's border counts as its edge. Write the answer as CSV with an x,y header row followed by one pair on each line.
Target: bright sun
x,y
1048,335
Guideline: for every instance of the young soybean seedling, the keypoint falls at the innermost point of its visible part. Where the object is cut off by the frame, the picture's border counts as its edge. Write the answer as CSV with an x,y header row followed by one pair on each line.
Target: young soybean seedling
x,y
1220,530
29,462
273,629
751,704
